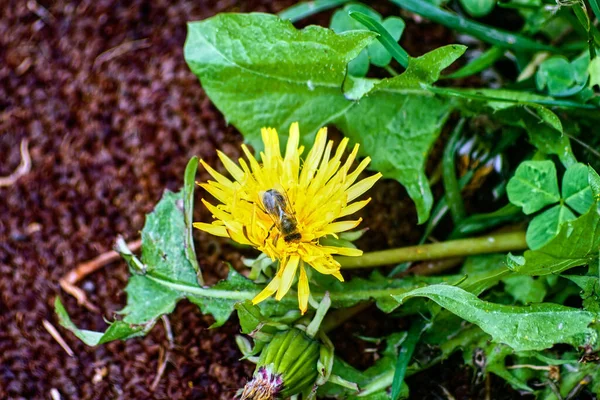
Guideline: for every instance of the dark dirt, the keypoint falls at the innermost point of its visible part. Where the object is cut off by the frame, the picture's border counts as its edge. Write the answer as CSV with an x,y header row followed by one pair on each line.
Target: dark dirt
x,y
108,132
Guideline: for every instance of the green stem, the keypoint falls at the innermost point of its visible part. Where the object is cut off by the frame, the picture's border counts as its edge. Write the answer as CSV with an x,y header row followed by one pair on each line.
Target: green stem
x,y
497,243
337,317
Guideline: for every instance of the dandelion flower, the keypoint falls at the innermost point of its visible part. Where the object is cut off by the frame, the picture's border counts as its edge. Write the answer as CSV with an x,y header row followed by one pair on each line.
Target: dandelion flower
x,y
283,206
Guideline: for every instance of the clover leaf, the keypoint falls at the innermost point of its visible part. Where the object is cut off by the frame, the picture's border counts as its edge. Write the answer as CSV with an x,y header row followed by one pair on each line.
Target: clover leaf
x,y
535,186
375,53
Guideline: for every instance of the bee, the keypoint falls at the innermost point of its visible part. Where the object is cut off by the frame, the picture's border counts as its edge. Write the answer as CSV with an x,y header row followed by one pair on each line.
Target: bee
x,y
277,206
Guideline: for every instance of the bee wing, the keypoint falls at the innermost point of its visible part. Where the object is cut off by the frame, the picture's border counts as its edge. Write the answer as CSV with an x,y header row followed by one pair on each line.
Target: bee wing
x,y
287,207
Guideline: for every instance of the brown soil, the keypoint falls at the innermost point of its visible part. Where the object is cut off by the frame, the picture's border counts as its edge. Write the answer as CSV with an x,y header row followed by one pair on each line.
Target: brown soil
x,y
108,132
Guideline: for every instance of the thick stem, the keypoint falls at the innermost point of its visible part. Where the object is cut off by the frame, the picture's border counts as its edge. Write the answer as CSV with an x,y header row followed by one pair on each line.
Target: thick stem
x,y
497,243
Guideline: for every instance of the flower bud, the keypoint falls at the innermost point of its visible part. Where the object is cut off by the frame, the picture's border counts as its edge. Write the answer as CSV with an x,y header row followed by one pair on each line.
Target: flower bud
x,y
287,366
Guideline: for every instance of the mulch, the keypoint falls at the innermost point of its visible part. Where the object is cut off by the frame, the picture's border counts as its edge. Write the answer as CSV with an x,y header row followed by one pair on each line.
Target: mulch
x,y
112,114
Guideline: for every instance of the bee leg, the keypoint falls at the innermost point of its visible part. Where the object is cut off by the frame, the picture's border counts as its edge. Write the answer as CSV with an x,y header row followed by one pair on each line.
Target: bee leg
x,y
255,204
269,234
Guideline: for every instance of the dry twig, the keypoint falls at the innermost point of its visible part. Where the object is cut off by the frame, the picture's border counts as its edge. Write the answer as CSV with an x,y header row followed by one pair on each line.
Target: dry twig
x,y
120,50
23,168
56,335
165,354
68,281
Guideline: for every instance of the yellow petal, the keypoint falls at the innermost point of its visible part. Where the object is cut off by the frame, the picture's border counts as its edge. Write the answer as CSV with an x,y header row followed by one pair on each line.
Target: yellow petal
x,y
359,188
291,150
231,167
254,165
343,251
271,141
287,278
219,178
341,226
314,156
325,265
352,177
303,290
224,196
354,207
267,291
216,211
350,159
217,230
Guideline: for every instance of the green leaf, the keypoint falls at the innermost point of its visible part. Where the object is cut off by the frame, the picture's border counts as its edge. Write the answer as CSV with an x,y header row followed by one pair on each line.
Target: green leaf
x,y
545,226
594,181
405,356
485,60
534,327
308,8
534,186
188,207
117,330
594,71
386,47
525,289
576,189
397,123
576,244
556,74
165,256
478,8
482,32
590,294
260,71
374,381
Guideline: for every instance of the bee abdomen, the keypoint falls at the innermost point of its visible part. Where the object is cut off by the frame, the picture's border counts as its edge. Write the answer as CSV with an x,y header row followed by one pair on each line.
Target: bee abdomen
x,y
292,237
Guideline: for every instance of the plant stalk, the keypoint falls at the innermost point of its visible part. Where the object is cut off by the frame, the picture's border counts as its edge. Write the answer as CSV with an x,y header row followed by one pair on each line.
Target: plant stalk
x,y
497,243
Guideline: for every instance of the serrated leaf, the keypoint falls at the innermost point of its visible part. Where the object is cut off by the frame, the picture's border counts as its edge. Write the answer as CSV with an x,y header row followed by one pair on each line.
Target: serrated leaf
x,y
576,190
117,330
261,71
534,186
545,226
576,244
222,307
533,327
397,122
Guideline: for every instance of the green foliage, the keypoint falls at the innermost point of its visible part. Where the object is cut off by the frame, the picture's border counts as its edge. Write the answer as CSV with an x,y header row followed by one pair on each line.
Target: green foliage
x,y
561,77
478,8
534,327
535,186
259,70
375,53
303,83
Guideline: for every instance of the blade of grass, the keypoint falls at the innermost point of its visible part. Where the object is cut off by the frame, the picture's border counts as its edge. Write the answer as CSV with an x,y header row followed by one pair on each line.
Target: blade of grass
x,y
482,32
480,222
302,10
470,94
485,60
441,207
595,8
453,194
384,37
188,214
405,355
580,12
